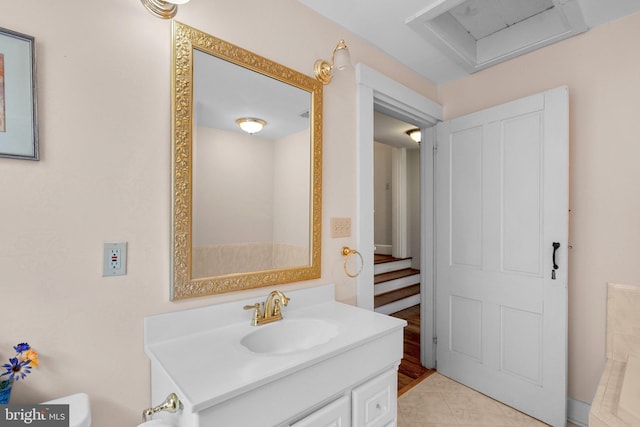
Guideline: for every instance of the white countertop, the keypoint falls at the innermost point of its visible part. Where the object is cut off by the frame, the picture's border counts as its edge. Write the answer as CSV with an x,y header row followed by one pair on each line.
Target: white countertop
x,y
211,366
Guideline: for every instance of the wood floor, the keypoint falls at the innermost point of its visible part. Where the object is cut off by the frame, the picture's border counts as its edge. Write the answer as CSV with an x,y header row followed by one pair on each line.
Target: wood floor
x,y
411,372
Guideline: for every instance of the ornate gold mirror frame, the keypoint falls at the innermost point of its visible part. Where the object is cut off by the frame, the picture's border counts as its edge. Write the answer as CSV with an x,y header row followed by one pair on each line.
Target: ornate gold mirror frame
x,y
183,285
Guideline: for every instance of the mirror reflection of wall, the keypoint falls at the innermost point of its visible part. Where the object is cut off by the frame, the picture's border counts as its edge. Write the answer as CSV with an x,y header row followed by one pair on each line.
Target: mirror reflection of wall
x,y
251,192
251,202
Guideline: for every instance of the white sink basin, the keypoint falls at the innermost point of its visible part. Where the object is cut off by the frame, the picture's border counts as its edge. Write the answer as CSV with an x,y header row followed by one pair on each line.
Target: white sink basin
x,y
289,335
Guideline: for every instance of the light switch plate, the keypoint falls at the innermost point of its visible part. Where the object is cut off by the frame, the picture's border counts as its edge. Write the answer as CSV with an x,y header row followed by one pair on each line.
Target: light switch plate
x,y
340,227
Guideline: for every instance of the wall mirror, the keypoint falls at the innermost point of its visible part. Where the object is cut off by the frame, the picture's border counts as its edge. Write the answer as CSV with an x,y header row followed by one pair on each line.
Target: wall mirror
x,y
246,207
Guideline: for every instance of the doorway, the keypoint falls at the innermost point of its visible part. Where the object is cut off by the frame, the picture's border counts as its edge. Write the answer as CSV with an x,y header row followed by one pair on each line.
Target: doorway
x,y
511,223
396,187
377,92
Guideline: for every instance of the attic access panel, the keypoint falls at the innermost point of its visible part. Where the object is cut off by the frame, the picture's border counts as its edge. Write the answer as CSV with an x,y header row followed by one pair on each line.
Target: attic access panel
x,y
480,33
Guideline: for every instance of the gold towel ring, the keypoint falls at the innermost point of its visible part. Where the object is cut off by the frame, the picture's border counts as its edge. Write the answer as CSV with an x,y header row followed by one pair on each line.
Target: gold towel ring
x,y
346,252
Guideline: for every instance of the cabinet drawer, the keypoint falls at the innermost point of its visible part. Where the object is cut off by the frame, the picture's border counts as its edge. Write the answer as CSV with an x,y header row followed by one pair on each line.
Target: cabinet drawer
x,y
374,404
335,414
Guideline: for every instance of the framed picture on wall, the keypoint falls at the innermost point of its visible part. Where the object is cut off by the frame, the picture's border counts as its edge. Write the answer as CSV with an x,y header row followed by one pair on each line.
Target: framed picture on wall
x,y
18,106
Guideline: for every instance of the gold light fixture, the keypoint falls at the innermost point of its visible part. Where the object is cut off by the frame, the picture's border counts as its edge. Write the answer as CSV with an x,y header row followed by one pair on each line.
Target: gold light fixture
x,y
415,134
251,125
340,60
163,9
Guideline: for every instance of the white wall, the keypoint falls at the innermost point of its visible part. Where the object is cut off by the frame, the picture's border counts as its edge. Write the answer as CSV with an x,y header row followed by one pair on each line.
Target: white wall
x,y
104,175
233,188
251,189
382,204
602,69
292,190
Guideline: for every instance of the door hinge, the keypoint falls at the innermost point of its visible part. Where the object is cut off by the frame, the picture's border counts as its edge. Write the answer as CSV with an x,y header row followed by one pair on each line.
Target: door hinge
x,y
435,340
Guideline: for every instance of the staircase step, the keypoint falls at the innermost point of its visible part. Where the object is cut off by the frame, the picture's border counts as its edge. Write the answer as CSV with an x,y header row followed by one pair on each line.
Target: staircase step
x,y
384,259
389,297
394,275
399,305
391,265
395,284
381,258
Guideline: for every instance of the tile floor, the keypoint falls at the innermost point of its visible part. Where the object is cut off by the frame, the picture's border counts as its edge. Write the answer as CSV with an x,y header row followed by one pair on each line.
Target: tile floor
x,y
441,402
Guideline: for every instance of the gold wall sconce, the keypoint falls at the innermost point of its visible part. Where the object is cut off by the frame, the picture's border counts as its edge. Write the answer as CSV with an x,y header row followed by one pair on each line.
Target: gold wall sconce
x,y
251,125
340,60
415,134
163,9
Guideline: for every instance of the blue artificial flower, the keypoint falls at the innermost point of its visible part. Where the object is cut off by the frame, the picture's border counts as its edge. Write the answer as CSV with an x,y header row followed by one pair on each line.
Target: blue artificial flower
x,y
16,369
23,346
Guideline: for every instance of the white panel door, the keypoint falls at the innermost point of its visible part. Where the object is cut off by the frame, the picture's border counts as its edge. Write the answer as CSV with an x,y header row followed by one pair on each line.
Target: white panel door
x,y
502,203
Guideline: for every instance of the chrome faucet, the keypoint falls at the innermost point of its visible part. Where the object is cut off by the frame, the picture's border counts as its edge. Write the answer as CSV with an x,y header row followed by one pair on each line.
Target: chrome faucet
x,y
268,311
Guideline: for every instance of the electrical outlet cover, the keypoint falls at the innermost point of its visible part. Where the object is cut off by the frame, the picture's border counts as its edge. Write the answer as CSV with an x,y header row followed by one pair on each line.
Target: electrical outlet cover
x,y
114,259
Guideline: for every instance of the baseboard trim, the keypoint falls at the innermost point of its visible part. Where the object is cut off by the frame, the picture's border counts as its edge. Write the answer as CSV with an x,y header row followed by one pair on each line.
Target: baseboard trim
x,y
578,412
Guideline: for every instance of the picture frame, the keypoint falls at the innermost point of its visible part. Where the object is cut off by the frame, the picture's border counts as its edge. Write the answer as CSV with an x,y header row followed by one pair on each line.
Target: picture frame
x,y
18,100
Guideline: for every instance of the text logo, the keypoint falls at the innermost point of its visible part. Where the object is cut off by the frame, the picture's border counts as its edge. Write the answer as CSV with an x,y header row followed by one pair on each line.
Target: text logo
x,y
34,415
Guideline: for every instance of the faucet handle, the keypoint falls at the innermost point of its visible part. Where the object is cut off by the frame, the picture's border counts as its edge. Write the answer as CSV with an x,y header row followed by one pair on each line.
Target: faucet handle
x,y
256,312
277,311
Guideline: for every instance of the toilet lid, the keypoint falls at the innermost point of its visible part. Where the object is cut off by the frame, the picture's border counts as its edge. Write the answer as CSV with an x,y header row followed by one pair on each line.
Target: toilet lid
x,y
79,409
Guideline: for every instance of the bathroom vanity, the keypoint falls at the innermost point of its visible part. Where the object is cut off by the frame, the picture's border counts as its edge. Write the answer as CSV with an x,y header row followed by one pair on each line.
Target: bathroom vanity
x,y
325,363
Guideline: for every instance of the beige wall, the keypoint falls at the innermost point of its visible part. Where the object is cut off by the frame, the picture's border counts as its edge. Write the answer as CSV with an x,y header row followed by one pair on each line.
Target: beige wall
x,y
104,175
602,71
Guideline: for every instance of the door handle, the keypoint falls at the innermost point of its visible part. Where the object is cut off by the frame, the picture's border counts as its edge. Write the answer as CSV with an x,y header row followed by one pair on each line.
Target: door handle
x,y
556,245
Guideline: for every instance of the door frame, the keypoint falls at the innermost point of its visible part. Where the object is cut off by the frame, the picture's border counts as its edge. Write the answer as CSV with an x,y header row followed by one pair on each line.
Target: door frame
x,y
377,91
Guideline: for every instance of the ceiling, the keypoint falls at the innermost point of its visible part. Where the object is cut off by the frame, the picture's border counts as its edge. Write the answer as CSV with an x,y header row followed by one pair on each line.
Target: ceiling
x,y
391,131
444,40
246,93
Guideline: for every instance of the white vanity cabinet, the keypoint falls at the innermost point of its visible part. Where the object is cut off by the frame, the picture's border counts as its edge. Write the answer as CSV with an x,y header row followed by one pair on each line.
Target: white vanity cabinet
x,y
375,402
372,404
335,414
350,380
